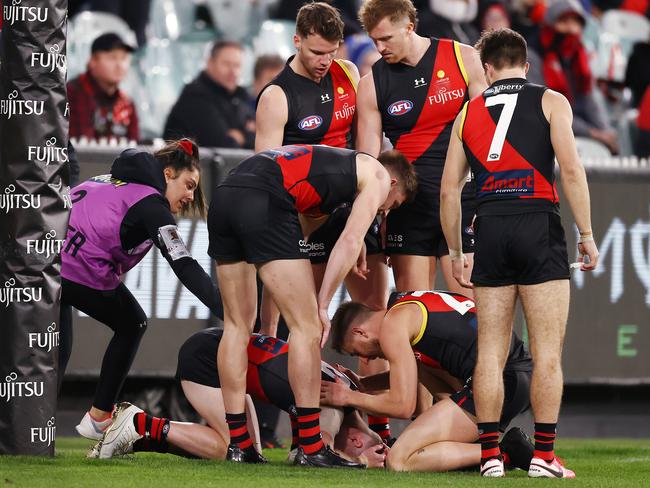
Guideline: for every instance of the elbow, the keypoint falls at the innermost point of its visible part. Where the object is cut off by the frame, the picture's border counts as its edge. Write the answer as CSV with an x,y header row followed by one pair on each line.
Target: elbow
x,y
573,173
404,410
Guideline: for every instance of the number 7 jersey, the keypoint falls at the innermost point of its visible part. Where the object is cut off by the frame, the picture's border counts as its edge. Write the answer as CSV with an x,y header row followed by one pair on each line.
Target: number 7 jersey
x,y
507,141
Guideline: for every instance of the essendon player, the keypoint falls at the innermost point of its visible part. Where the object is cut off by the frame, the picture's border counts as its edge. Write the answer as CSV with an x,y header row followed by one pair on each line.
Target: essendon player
x,y
440,328
509,137
413,94
256,223
267,381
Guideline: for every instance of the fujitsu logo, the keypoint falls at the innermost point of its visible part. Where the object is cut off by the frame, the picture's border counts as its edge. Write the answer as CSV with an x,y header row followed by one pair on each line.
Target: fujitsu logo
x,y
9,294
50,153
346,112
22,13
51,60
19,389
443,96
10,200
44,435
45,340
12,106
45,247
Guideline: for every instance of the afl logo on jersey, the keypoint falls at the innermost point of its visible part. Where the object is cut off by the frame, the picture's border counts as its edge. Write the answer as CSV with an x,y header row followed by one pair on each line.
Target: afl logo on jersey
x,y
400,108
310,123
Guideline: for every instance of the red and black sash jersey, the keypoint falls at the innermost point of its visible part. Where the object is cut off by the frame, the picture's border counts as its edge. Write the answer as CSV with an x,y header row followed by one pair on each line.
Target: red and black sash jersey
x,y
315,180
319,113
507,141
418,104
268,372
448,333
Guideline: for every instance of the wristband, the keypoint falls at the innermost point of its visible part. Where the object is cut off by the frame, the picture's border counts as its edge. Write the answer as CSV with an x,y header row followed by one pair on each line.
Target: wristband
x,y
586,238
455,254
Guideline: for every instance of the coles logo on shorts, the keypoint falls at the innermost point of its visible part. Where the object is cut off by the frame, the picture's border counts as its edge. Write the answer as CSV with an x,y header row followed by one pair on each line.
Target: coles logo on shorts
x,y
400,108
514,182
310,122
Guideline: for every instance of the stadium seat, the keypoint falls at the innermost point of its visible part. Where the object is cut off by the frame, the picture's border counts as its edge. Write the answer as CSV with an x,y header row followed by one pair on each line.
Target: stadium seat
x,y
592,150
275,37
237,20
84,28
171,19
626,25
609,61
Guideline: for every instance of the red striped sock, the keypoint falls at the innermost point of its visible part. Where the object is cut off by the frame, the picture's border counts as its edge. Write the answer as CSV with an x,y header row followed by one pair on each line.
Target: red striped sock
x,y
238,430
489,437
544,441
151,427
309,436
380,425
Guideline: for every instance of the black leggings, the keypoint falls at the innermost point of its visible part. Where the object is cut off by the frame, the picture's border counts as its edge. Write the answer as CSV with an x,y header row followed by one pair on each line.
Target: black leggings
x,y
119,310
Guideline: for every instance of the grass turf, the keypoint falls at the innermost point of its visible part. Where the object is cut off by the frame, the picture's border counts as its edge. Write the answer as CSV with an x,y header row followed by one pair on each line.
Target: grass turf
x,y
598,463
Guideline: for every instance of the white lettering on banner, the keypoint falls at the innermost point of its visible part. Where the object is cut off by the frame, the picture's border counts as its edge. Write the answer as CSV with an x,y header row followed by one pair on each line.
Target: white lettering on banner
x,y
11,388
9,294
22,13
188,305
47,154
9,200
12,106
66,112
44,435
51,60
613,246
45,340
45,247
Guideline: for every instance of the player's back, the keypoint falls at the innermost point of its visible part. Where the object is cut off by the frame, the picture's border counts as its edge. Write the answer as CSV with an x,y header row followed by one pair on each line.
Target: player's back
x,y
314,179
507,141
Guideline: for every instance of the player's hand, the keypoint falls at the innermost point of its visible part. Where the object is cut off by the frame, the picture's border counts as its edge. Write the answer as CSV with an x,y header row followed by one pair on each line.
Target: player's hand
x,y
333,393
325,324
589,249
458,266
356,379
375,456
361,266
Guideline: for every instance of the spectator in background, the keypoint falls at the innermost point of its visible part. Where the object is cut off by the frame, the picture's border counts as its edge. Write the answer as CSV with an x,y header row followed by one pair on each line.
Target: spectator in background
x,y
267,67
565,66
527,16
98,108
213,109
449,18
642,141
637,74
362,52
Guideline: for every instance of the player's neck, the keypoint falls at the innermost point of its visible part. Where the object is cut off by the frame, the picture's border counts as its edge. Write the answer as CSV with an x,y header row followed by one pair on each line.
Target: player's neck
x,y
419,46
299,68
506,74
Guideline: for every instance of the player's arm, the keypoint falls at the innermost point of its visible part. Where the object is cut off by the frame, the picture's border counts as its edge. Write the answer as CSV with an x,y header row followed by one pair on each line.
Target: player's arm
x,y
271,117
574,179
453,179
368,128
475,73
353,72
399,400
374,182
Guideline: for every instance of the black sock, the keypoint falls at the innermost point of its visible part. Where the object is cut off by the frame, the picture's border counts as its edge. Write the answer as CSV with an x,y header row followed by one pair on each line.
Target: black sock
x,y
489,437
544,441
309,436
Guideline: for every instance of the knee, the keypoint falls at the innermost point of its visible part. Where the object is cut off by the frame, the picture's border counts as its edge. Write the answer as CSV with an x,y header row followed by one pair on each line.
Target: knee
x,y
216,449
397,457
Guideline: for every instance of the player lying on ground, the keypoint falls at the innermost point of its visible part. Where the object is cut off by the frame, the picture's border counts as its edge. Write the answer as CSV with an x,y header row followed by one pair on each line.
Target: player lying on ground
x,y
440,328
268,380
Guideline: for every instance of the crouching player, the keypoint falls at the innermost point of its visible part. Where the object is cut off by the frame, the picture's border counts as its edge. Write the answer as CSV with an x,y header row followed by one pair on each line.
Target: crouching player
x,y
267,380
431,337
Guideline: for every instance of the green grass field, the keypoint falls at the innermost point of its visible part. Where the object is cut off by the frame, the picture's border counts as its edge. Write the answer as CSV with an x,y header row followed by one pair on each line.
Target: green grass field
x,y
601,463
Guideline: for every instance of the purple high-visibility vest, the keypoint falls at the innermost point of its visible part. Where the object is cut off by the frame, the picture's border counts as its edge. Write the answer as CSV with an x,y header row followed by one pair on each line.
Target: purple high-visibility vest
x,y
92,254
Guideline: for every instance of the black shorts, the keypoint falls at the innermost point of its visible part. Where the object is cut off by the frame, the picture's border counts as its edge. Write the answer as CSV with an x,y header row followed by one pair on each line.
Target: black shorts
x,y
415,229
247,224
516,398
322,240
522,249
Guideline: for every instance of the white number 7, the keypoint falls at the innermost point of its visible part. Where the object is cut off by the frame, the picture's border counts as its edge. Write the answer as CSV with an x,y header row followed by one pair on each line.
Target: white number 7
x,y
508,100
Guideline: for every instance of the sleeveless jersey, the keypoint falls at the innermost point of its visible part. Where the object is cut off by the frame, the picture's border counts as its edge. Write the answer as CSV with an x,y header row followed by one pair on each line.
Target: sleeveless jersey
x,y
418,104
92,253
315,180
507,141
319,113
448,333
